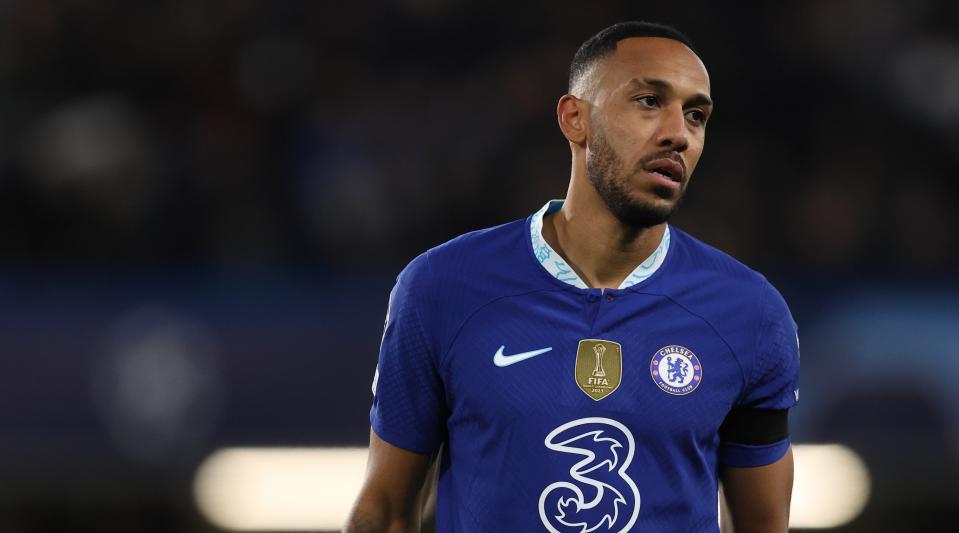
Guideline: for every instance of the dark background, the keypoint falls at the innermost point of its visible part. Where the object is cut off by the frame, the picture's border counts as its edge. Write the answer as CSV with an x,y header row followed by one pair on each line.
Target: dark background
x,y
203,206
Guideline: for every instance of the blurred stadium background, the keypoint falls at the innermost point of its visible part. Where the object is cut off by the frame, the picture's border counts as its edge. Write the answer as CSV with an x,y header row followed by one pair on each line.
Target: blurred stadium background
x,y
203,206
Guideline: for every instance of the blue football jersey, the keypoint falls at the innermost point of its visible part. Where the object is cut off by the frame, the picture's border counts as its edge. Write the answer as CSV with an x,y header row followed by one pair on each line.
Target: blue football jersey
x,y
571,409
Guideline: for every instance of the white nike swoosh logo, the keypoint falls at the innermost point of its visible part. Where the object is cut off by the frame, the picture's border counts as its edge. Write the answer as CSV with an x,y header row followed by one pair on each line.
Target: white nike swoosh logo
x,y
501,360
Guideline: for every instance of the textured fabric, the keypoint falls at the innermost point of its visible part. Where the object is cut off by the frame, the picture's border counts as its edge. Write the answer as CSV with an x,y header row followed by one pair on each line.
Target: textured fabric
x,y
557,267
746,455
412,421
570,409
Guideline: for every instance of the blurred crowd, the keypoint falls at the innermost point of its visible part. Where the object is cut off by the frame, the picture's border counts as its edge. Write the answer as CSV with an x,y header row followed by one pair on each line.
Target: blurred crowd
x,y
150,150
259,134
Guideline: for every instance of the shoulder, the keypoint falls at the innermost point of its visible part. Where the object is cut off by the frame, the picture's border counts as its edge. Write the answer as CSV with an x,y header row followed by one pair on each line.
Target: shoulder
x,y
480,245
452,280
720,288
467,252
709,261
481,258
739,304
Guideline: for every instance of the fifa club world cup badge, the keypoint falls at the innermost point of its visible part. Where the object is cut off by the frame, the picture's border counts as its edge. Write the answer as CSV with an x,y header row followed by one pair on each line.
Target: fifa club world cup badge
x,y
599,367
676,370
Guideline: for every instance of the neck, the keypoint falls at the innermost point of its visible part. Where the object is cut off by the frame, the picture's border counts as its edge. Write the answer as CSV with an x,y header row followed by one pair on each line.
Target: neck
x,y
598,246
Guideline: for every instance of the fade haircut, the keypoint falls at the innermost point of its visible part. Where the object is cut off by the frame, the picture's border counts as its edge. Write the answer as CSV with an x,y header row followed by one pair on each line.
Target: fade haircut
x,y
604,43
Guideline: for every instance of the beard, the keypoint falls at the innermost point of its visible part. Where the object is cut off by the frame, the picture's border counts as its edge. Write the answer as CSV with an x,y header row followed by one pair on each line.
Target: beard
x,y
610,178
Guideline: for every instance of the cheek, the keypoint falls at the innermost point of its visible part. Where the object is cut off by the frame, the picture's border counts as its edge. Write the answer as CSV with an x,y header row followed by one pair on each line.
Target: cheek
x,y
630,140
641,132
628,129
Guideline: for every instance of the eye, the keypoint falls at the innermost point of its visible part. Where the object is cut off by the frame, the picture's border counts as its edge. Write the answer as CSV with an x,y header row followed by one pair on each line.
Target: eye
x,y
647,101
697,116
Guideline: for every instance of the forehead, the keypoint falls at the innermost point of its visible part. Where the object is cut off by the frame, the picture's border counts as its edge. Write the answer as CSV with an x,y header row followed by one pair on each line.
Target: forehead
x,y
653,57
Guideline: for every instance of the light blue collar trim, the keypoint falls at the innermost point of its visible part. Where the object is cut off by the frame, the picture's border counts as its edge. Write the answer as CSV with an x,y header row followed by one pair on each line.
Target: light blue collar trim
x,y
559,269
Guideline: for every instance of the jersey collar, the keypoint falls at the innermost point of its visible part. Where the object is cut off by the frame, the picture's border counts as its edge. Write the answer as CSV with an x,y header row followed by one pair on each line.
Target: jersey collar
x,y
559,269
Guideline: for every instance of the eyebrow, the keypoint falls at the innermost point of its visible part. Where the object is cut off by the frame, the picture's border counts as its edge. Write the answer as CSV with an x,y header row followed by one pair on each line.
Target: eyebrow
x,y
666,87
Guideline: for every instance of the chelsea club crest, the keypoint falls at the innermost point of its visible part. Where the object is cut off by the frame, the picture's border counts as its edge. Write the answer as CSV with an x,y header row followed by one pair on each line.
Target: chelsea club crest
x,y
676,370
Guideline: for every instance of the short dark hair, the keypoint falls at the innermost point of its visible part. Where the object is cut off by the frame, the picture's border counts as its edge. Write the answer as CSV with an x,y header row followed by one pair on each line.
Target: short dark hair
x,y
604,43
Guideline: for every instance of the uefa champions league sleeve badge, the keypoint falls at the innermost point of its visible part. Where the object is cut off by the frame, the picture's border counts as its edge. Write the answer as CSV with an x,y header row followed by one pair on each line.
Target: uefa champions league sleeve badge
x,y
676,370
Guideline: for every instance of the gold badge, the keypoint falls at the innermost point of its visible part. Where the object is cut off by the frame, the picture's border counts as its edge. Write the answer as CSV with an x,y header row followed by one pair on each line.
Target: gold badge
x,y
599,367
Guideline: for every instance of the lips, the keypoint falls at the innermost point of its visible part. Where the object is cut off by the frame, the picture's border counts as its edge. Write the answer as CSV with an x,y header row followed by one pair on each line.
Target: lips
x,y
670,168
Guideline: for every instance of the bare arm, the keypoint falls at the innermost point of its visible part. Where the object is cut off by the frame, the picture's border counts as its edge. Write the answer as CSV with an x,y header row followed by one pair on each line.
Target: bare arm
x,y
758,498
389,501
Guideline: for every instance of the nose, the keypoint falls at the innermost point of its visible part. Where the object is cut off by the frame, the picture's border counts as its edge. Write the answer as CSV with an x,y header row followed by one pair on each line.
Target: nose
x,y
672,132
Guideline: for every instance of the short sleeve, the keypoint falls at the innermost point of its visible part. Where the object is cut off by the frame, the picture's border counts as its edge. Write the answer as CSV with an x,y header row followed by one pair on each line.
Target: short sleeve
x,y
772,378
408,400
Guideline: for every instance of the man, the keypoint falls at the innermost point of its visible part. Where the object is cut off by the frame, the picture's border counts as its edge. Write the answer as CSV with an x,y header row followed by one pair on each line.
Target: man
x,y
590,368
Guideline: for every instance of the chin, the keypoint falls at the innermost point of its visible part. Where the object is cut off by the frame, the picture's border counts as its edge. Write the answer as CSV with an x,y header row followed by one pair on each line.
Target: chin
x,y
644,214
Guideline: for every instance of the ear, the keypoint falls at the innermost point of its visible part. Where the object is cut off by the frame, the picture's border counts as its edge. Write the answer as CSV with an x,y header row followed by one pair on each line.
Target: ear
x,y
571,114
